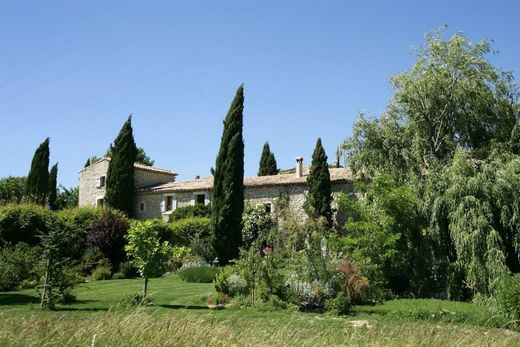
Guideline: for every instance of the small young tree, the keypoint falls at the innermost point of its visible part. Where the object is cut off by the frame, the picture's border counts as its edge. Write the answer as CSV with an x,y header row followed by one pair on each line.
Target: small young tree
x,y
53,189
268,164
319,198
38,178
108,235
146,252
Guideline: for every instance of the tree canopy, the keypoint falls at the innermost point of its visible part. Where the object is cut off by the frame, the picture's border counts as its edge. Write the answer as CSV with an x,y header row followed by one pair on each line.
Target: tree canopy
x,y
319,197
38,177
267,164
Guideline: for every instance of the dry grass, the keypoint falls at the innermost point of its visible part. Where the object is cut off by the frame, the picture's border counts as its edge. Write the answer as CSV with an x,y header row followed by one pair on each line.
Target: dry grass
x,y
144,327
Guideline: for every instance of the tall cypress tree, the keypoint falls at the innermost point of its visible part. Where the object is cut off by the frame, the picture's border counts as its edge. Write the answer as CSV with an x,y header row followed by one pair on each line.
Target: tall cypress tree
x,y
267,164
120,187
228,186
38,178
319,198
53,189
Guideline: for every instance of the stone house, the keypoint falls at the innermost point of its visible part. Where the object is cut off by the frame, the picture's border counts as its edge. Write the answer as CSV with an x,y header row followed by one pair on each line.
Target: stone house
x,y
158,194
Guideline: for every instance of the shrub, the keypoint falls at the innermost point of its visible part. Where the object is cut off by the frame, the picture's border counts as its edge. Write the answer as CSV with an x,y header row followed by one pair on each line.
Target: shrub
x,y
167,233
102,272
228,281
257,223
127,270
178,256
353,283
191,211
118,276
308,295
18,266
23,223
508,297
198,274
218,300
78,221
197,232
107,234
340,305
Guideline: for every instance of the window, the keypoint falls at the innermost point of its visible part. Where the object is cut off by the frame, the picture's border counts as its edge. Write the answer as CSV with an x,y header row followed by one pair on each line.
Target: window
x,y
169,203
100,202
100,182
200,199
268,207
141,207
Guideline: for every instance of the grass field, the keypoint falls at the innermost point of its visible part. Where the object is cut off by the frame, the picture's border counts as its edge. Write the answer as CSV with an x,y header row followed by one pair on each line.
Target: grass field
x,y
179,316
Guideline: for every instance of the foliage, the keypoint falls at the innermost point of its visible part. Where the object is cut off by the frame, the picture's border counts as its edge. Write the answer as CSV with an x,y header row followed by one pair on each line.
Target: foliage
x,y
120,186
67,198
228,281
12,189
146,252
59,279
18,263
198,274
53,188
78,222
267,164
353,284
127,270
508,297
257,225
141,157
228,185
38,177
183,230
340,305
23,223
107,233
103,271
197,210
179,253
319,198
218,299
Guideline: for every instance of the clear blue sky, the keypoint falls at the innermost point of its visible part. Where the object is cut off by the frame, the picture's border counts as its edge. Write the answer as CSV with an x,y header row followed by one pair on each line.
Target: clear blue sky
x,y
74,71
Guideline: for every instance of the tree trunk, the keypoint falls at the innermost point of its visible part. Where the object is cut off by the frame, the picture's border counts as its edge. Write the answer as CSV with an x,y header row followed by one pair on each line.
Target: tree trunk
x,y
145,287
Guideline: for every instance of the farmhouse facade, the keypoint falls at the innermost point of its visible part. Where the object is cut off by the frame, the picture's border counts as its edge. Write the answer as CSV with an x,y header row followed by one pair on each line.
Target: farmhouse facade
x,y
158,194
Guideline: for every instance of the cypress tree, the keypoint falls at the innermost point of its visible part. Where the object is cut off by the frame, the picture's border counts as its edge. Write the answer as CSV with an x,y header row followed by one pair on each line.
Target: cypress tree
x,y
53,189
228,187
319,198
268,164
87,164
120,188
38,178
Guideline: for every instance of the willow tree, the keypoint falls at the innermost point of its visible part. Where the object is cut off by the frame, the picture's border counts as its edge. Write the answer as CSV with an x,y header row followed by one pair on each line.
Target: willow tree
x,y
227,203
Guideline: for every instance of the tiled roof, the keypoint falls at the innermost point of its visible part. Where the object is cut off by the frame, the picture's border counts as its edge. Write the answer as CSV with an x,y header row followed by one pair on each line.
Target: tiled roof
x,y
140,166
337,175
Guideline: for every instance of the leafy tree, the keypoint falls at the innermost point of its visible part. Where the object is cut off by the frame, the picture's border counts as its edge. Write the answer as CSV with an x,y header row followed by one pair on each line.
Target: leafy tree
x,y
319,197
146,252
67,197
12,189
53,189
141,156
23,223
38,178
228,186
120,187
267,162
108,235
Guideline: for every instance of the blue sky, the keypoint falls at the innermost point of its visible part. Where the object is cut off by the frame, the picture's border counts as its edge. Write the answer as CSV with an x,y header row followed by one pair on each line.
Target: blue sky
x,y
75,70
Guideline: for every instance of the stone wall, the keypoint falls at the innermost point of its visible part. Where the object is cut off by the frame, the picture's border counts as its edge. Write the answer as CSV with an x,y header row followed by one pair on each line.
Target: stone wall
x,y
145,178
152,205
89,194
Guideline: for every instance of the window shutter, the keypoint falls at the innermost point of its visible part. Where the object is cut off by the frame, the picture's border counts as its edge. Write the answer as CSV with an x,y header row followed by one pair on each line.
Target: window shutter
x,y
98,182
163,205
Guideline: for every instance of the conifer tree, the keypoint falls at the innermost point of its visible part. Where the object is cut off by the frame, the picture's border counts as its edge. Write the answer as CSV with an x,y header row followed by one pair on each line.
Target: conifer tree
x,y
53,189
228,187
120,187
268,164
319,198
87,164
38,178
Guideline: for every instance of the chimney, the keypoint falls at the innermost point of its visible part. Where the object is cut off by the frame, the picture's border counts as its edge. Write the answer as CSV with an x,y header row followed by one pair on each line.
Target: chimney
x,y
299,166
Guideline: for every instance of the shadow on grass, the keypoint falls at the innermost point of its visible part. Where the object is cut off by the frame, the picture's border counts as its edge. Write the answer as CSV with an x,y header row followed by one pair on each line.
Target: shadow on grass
x,y
17,299
186,307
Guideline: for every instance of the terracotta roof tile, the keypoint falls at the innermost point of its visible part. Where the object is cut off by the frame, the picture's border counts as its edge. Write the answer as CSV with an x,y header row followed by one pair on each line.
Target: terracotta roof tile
x,y
337,175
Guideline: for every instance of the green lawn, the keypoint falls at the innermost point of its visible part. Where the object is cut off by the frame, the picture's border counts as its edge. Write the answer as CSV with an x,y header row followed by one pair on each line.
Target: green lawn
x,y
179,316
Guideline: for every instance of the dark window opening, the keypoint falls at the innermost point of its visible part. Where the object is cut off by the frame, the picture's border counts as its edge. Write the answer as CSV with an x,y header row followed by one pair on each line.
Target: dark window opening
x,y
142,206
100,202
200,199
169,203
268,207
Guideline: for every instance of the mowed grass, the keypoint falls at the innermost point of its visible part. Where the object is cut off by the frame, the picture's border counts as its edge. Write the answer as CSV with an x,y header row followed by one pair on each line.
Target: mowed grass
x,y
179,316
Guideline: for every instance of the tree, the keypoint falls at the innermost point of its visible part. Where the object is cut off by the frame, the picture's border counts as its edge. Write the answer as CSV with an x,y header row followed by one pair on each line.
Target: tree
x,y
228,187
107,234
12,189
141,157
53,189
319,197
267,162
120,187
67,198
146,252
38,178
